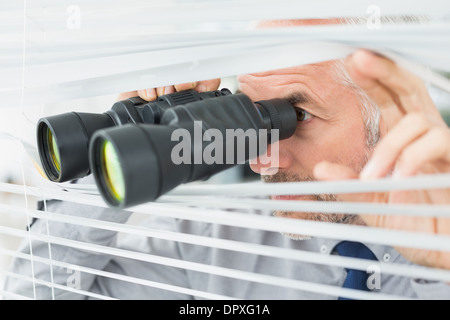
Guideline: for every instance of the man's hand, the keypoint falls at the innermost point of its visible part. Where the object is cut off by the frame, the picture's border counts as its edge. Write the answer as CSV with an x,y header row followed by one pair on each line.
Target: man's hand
x,y
154,93
416,140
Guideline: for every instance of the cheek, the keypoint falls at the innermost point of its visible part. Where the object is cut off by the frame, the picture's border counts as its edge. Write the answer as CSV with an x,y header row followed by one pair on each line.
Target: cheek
x,y
342,144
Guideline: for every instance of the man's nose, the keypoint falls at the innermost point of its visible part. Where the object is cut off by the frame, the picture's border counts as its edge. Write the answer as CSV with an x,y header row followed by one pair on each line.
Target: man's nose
x,y
274,159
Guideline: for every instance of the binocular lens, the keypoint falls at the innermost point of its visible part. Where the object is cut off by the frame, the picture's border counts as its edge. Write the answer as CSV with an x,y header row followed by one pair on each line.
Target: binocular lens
x,y
49,151
112,171
53,150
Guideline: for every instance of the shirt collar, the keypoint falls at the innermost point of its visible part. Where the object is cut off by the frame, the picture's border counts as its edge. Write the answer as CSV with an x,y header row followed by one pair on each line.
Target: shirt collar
x,y
383,253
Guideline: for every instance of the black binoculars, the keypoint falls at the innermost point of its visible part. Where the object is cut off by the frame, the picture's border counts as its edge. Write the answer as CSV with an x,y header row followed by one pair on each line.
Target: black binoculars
x,y
166,144
63,140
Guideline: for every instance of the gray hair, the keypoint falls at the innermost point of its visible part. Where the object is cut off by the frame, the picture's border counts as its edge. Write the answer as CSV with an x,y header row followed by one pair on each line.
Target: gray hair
x,y
369,109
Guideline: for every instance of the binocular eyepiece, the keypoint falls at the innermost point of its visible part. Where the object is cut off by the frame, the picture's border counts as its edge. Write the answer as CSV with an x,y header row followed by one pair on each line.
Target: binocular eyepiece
x,y
63,140
134,164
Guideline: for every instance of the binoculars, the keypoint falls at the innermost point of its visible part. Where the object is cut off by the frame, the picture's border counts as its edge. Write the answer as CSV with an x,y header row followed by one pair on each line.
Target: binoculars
x,y
63,140
139,151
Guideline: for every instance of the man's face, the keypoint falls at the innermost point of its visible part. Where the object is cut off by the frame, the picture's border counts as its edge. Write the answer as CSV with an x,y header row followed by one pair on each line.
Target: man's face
x,y
332,128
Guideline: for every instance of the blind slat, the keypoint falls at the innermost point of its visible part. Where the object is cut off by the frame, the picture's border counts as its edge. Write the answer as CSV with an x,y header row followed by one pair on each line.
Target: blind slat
x,y
412,271
318,229
246,276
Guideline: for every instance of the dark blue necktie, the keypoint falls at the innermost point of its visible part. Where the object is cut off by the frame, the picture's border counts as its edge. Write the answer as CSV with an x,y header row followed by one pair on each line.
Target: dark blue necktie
x,y
356,279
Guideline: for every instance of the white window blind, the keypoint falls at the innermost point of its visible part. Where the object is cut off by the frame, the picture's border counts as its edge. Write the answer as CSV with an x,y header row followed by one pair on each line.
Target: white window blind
x,y
60,56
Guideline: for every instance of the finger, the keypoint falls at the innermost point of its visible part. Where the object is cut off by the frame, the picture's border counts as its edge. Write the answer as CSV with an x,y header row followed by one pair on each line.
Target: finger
x,y
148,94
390,107
378,92
327,171
208,85
410,90
433,147
160,91
332,171
200,86
383,158
169,90
127,95
185,86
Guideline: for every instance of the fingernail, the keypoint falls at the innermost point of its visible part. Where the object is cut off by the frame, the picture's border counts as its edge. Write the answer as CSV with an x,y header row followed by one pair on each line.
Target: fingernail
x,y
193,85
359,57
202,88
150,93
369,170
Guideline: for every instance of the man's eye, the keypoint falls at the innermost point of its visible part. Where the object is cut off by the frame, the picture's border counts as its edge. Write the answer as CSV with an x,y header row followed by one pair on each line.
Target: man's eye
x,y
302,115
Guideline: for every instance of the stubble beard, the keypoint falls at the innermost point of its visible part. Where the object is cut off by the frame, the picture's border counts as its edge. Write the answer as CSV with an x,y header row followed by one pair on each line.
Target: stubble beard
x,y
310,216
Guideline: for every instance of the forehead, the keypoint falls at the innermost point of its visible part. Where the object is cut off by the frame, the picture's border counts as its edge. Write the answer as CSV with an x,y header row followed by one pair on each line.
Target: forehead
x,y
318,80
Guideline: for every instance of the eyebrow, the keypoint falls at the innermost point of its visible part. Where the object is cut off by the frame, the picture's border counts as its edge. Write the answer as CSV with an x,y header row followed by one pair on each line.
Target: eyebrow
x,y
299,98
294,98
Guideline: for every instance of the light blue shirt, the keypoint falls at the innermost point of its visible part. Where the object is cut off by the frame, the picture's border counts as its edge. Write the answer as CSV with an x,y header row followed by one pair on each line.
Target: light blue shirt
x,y
323,274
